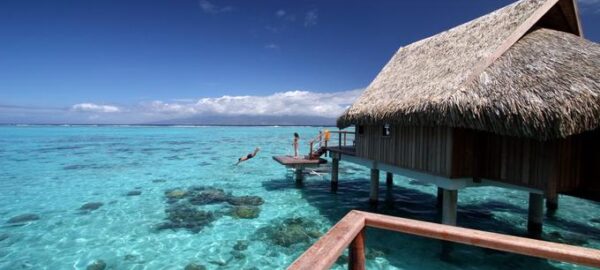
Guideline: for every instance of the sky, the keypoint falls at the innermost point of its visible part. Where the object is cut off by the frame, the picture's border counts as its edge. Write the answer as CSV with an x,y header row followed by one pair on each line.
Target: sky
x,y
139,61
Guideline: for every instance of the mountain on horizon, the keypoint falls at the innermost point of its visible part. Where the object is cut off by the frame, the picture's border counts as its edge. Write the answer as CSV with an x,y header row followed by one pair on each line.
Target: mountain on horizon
x,y
250,120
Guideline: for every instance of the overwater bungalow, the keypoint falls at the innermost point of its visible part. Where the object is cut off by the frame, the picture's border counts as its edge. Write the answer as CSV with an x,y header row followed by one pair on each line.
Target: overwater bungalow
x,y
510,99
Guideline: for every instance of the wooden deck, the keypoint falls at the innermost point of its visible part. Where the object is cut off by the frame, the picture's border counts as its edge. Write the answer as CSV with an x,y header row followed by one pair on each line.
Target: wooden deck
x,y
290,161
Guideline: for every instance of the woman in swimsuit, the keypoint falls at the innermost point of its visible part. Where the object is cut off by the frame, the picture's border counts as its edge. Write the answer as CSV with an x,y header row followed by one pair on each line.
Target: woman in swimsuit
x,y
249,156
295,144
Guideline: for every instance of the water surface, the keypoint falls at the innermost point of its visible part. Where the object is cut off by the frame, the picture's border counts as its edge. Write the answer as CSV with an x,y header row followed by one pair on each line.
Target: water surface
x,y
52,171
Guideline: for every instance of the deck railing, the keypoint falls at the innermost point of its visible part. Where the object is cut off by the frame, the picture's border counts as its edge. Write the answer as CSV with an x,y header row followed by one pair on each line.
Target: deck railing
x,y
345,137
350,231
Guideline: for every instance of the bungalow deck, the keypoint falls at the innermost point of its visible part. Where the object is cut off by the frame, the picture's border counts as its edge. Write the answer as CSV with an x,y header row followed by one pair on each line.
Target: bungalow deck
x,y
299,164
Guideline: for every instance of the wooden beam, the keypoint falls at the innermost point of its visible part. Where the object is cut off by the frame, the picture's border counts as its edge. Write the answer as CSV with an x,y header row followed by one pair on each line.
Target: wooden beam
x,y
488,182
570,11
356,260
441,181
502,242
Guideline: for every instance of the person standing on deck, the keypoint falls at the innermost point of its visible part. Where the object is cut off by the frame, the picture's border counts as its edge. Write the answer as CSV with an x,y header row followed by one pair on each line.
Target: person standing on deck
x,y
323,138
319,138
295,144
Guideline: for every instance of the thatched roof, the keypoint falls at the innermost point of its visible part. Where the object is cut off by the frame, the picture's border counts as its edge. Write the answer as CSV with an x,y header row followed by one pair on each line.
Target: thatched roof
x,y
496,73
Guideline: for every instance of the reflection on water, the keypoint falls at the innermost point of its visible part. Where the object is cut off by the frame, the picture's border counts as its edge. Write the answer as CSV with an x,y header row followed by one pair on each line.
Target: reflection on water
x,y
164,198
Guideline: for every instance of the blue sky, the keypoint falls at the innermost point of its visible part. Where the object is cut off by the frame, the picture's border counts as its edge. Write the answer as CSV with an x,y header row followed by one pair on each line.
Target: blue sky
x,y
140,61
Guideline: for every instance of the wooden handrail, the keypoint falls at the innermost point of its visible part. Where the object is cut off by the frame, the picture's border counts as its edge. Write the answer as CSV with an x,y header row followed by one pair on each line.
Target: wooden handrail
x,y
342,136
324,253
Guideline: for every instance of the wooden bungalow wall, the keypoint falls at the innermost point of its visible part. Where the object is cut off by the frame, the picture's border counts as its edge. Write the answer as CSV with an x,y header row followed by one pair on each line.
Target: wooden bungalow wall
x,y
556,166
547,165
420,148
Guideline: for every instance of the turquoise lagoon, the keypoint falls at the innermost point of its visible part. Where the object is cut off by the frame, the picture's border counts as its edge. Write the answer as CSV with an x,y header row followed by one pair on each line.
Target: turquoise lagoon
x,y
51,171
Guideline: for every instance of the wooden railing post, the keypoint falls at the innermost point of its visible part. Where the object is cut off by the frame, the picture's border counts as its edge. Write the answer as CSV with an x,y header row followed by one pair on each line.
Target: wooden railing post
x,y
344,138
356,260
311,150
340,139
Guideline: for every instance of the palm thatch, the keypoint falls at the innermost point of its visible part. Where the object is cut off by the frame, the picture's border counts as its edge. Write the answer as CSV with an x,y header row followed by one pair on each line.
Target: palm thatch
x,y
546,85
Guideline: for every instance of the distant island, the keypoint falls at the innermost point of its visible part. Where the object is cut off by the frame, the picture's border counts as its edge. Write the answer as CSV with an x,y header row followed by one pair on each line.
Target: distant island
x,y
206,120
249,120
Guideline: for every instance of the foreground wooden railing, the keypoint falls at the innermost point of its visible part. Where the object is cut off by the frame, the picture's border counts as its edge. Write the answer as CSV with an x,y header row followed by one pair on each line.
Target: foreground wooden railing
x,y
350,231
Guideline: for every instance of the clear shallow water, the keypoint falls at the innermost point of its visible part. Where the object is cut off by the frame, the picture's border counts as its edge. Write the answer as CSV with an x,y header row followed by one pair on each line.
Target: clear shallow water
x,y
53,171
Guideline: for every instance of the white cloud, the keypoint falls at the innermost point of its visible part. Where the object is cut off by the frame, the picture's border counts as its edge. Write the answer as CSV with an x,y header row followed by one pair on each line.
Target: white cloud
x,y
289,103
209,7
297,103
311,18
280,13
95,108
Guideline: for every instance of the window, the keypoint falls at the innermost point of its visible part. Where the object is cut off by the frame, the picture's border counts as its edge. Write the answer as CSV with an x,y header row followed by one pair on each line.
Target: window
x,y
361,130
387,130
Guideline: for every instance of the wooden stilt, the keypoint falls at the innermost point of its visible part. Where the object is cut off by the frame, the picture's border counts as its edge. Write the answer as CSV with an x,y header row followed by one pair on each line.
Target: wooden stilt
x,y
536,214
551,195
335,168
449,201
449,205
374,198
299,175
389,180
551,204
356,260
440,196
